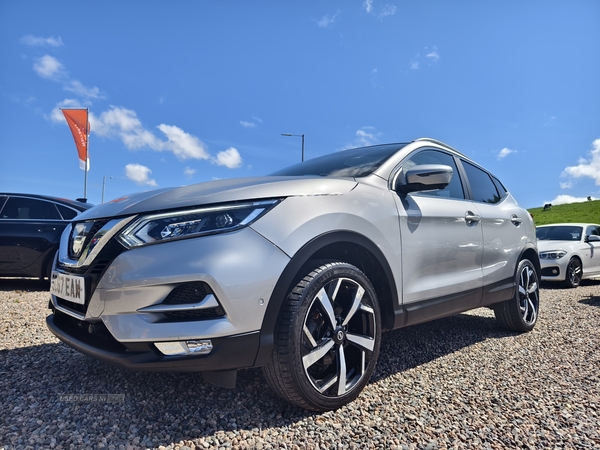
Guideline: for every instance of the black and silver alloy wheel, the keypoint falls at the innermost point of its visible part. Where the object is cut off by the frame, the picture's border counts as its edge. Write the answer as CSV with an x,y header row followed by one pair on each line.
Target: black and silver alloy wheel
x,y
328,339
529,295
574,273
520,313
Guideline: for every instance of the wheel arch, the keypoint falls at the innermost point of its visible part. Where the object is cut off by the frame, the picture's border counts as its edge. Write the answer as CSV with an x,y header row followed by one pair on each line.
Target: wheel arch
x,y
346,246
531,254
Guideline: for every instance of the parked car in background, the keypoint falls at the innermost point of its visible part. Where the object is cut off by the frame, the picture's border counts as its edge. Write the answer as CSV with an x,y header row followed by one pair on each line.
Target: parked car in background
x,y
569,252
297,272
30,230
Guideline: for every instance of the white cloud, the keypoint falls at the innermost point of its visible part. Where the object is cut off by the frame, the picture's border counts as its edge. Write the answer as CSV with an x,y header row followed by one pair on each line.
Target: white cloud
x,y
564,199
77,88
182,144
505,152
433,55
365,136
124,124
328,20
587,168
566,185
247,124
257,119
48,67
140,174
35,41
388,10
189,172
229,158
368,5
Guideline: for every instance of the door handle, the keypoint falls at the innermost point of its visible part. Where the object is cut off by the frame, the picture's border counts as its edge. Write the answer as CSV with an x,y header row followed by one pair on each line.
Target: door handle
x,y
516,220
471,218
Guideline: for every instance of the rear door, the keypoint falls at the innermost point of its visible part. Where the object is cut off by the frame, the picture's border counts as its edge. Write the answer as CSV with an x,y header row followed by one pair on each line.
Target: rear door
x,y
29,230
503,232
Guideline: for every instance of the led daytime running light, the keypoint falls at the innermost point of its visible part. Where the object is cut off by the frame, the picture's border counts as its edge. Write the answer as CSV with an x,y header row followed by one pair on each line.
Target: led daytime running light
x,y
155,228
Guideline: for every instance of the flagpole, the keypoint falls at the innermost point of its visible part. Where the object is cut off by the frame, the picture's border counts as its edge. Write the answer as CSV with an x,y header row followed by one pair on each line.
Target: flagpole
x,y
87,150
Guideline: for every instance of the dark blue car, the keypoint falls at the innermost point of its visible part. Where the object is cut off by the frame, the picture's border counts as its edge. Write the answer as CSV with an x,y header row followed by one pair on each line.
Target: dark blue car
x,y
30,229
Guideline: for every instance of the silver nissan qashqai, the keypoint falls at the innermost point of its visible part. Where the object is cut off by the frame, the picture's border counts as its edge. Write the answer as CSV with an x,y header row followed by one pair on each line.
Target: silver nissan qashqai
x,y
298,272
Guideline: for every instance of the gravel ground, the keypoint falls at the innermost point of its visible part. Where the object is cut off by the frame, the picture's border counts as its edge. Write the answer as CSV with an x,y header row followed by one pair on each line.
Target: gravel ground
x,y
459,382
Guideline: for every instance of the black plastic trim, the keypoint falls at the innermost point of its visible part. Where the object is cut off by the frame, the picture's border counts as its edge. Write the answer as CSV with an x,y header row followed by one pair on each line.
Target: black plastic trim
x,y
232,352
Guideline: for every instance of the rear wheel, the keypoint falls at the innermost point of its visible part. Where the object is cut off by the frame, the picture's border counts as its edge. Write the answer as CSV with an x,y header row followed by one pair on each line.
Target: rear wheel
x,y
520,313
574,273
327,340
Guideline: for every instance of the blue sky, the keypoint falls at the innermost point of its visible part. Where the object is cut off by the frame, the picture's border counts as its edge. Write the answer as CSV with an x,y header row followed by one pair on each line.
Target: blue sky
x,y
191,91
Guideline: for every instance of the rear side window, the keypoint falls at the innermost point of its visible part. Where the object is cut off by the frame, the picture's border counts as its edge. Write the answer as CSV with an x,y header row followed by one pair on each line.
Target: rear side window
x,y
67,213
29,208
483,188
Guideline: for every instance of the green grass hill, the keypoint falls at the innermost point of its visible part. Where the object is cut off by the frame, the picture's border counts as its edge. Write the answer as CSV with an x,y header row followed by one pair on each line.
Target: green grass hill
x,y
587,212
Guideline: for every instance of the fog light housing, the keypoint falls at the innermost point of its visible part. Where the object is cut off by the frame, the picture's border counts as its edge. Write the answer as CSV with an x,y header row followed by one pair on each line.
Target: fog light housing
x,y
181,348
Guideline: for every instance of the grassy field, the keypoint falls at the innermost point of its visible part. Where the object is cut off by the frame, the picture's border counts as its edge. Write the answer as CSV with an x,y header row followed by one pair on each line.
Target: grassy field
x,y
587,212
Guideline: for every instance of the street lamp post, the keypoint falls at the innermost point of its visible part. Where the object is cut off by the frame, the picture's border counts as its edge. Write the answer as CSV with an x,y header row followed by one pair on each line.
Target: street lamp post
x,y
298,135
103,184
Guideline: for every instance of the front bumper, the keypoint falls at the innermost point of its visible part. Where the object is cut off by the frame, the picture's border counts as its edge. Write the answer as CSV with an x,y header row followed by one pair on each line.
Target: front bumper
x,y
233,352
553,270
129,301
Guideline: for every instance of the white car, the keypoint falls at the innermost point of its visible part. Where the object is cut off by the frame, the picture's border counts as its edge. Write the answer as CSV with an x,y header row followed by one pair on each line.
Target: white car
x,y
569,252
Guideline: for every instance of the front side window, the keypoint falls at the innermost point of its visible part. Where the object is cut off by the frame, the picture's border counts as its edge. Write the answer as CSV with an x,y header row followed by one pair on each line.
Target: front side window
x,y
483,188
453,190
29,208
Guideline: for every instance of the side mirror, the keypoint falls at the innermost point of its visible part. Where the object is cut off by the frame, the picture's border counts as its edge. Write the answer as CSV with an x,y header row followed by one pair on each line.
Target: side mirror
x,y
425,177
592,238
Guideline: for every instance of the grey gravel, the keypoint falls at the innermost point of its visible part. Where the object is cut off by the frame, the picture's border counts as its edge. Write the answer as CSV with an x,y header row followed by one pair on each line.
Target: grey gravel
x,y
459,382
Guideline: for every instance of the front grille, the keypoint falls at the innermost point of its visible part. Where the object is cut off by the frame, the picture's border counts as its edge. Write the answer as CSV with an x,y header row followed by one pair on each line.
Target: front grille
x,y
188,293
91,234
201,314
92,274
81,309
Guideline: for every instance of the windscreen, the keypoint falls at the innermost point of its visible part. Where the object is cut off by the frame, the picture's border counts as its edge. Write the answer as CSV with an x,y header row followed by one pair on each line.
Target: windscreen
x,y
559,233
358,162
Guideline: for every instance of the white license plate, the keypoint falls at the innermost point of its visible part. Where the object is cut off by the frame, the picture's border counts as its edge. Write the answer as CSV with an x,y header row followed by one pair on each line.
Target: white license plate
x,y
69,287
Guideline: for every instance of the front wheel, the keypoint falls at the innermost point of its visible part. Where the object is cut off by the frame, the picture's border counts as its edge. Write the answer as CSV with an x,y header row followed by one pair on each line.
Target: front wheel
x,y
520,313
327,338
574,273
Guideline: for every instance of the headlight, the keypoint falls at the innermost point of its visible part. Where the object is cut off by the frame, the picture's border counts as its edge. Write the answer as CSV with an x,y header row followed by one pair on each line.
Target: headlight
x,y
155,228
554,254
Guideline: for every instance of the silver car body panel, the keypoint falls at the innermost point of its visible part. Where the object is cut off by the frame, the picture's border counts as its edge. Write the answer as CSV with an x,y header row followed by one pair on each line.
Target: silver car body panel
x,y
429,247
143,277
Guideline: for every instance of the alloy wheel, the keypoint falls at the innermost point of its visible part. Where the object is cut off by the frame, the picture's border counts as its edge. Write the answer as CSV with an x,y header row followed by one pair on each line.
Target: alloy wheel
x,y
339,337
529,297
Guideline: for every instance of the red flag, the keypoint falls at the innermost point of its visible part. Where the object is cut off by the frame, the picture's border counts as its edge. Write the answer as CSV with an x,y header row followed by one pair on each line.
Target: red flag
x,y
77,119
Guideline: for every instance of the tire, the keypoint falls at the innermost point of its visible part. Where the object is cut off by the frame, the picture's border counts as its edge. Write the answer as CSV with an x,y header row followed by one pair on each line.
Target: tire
x,y
520,313
329,330
574,273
